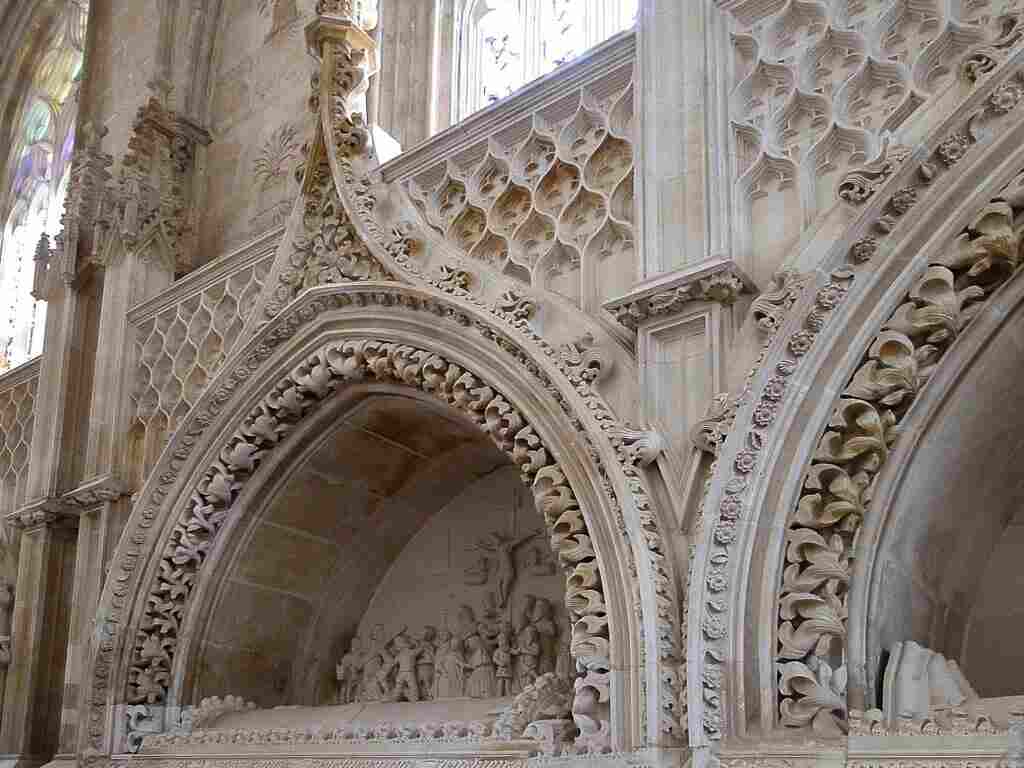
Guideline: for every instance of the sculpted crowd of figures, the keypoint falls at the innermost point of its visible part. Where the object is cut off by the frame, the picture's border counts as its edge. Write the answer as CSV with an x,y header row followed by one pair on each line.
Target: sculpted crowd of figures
x,y
481,658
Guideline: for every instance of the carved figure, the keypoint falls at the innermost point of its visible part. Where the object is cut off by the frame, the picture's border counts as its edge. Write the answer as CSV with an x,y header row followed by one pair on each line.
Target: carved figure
x,y
449,675
538,563
503,662
406,654
547,632
425,663
504,549
565,668
349,673
480,666
376,669
527,652
466,623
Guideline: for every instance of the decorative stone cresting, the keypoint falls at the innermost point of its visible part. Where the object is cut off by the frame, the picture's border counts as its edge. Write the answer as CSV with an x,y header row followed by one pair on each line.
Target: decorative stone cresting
x,y
812,603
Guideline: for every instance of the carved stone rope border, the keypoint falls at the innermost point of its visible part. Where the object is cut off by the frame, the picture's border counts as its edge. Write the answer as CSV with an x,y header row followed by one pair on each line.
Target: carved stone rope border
x,y
858,439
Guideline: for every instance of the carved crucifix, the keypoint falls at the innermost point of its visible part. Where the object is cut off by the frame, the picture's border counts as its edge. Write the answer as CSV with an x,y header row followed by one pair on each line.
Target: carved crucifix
x,y
504,549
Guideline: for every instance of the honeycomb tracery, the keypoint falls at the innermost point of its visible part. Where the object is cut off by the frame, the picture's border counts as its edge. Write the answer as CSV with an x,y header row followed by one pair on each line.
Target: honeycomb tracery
x,y
537,203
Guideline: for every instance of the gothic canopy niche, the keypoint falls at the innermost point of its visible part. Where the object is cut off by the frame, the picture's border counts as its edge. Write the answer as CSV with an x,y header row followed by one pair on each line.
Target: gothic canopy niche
x,y
778,596
197,526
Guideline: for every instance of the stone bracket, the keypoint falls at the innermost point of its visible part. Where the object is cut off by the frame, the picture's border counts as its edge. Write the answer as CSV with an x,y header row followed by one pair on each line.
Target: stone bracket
x,y
717,280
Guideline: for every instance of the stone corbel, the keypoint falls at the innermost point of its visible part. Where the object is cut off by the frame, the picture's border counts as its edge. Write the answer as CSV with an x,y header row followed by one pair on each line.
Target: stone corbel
x,y
717,280
35,514
641,447
91,494
49,510
709,433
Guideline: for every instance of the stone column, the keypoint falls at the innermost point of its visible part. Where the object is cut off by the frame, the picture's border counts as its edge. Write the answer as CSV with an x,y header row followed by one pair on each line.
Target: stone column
x,y
682,147
35,677
101,501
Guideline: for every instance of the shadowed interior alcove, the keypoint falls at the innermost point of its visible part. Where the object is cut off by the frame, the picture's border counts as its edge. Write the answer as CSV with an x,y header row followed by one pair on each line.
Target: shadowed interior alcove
x,y
385,522
948,571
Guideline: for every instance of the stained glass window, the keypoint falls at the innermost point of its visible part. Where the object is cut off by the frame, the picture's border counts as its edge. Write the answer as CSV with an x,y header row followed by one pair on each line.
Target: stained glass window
x,y
505,44
41,158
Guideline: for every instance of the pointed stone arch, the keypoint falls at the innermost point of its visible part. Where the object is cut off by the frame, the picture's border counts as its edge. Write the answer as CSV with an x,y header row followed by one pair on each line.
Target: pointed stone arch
x,y
759,603
582,468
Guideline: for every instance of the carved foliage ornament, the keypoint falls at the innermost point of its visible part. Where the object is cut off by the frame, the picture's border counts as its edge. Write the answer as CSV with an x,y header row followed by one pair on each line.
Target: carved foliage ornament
x,y
858,441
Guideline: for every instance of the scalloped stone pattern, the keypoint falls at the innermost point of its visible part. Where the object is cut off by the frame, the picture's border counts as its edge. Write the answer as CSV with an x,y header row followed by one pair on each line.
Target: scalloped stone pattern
x,y
181,347
17,412
816,84
543,198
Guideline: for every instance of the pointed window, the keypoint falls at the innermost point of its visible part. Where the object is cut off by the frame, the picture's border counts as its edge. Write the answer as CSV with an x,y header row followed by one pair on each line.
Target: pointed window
x,y
505,44
34,200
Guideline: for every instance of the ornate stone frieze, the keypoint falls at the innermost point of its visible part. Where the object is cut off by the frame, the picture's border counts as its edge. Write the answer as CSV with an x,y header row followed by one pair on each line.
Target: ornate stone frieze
x,y
719,280
472,731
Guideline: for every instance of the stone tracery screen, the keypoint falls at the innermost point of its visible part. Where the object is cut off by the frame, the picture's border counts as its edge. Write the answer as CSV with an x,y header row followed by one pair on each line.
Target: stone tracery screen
x,y
505,44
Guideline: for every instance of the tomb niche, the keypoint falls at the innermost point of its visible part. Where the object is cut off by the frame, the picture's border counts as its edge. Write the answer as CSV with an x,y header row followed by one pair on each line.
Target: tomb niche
x,y
399,578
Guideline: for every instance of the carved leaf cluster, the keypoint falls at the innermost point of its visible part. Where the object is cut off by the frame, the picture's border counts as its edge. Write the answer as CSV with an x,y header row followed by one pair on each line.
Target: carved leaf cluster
x,y
836,494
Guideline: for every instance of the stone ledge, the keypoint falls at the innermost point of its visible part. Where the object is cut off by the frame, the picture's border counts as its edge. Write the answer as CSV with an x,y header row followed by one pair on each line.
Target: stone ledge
x,y
718,280
248,255
20,373
72,504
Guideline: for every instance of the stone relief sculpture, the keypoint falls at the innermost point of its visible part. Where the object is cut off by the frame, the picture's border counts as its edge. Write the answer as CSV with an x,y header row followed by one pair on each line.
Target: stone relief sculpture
x,y
919,681
483,657
503,548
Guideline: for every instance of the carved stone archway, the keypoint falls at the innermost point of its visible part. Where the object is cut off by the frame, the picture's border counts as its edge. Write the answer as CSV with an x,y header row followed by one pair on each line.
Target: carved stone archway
x,y
783,508
579,462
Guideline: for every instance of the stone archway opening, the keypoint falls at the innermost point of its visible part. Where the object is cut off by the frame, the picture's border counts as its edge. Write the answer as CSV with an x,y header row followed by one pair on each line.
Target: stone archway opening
x,y
404,528
947,580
